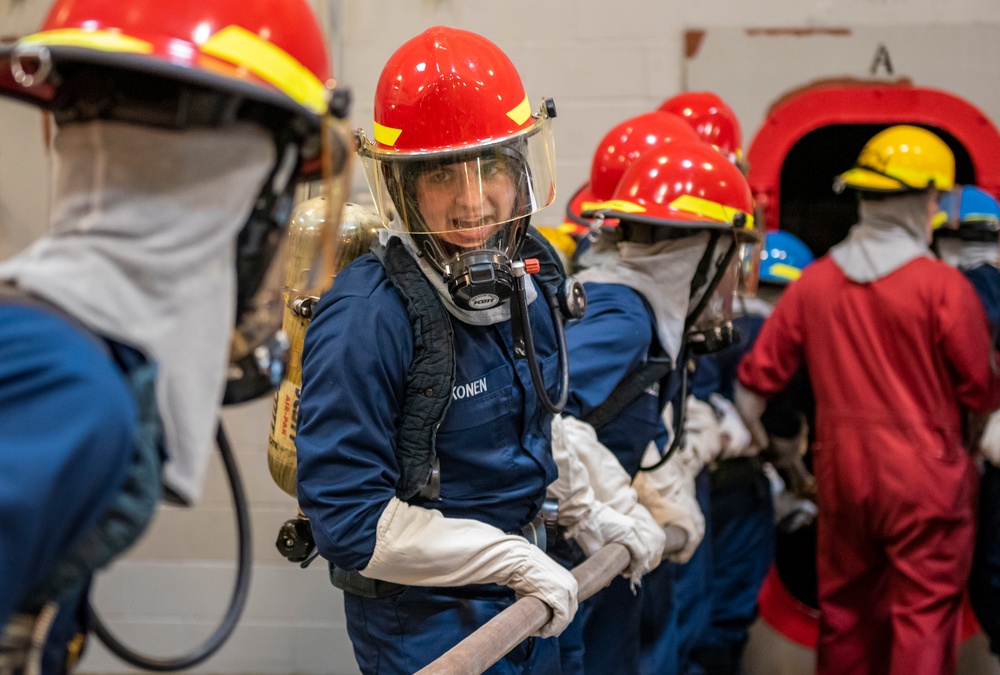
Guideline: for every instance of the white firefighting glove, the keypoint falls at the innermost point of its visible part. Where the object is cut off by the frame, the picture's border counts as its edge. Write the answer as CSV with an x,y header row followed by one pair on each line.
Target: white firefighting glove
x,y
668,493
735,437
751,407
596,502
420,547
989,443
702,434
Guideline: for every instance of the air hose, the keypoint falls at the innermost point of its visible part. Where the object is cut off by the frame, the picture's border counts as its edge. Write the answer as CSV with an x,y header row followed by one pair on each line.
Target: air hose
x,y
236,602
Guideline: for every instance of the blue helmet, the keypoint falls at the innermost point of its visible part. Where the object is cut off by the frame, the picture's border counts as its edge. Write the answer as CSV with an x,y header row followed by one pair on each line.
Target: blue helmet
x,y
968,213
783,258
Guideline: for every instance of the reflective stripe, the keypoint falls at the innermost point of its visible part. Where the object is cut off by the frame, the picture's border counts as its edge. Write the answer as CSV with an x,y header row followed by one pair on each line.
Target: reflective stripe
x,y
613,205
709,209
386,135
784,271
269,62
521,112
101,40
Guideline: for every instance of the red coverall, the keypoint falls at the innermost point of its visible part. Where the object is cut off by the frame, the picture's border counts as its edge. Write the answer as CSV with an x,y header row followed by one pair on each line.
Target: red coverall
x,y
891,363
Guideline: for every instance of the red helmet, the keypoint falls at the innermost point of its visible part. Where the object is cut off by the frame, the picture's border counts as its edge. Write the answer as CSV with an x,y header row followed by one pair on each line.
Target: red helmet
x,y
450,103
619,148
626,142
199,63
471,95
713,120
684,189
682,184
268,51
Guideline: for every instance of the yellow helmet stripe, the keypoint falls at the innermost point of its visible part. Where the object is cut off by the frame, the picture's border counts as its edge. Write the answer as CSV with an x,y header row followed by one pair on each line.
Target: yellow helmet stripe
x,y
100,40
270,63
386,135
613,205
784,271
521,112
709,209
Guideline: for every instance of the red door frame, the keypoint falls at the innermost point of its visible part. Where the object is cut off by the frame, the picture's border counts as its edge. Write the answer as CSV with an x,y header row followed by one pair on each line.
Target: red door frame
x,y
813,108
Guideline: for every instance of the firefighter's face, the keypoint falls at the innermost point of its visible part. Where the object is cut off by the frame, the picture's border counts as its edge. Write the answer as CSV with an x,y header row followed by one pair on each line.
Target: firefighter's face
x,y
466,203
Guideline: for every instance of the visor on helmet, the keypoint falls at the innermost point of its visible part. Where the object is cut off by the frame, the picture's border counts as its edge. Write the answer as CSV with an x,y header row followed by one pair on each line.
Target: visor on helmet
x,y
469,199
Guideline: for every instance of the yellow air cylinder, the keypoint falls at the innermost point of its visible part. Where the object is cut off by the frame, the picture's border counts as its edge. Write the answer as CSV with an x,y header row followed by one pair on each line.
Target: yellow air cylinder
x,y
357,230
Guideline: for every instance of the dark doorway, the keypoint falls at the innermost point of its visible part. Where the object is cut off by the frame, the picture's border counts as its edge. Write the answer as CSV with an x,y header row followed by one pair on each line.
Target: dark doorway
x,y
809,208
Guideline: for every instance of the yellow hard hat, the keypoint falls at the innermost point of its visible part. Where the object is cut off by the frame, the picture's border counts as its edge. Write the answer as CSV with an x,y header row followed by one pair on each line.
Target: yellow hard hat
x,y
901,158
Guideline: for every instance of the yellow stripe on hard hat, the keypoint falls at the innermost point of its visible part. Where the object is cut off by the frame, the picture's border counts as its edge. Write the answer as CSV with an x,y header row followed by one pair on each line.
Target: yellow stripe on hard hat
x,y
613,205
521,112
709,209
386,135
270,63
784,271
100,40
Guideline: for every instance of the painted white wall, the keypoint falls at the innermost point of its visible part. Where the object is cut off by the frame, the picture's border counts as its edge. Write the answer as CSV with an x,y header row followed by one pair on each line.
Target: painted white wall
x,y
24,185
601,62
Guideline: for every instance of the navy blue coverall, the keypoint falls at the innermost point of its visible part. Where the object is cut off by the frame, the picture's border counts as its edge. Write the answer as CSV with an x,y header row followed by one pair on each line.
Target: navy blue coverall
x,y
70,431
741,532
614,338
494,447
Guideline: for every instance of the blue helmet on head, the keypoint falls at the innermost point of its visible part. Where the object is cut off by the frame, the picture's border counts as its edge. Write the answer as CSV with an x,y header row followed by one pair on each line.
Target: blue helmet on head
x,y
968,213
783,258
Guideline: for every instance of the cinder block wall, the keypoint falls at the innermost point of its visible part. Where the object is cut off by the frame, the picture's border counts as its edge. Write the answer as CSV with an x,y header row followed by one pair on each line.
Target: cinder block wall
x,y
601,62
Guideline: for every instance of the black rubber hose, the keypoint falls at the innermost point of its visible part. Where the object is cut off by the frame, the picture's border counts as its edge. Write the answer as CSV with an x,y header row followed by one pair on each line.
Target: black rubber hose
x,y
678,422
236,602
529,348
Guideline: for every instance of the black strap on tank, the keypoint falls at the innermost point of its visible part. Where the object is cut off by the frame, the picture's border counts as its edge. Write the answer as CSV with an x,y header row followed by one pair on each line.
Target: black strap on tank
x,y
431,376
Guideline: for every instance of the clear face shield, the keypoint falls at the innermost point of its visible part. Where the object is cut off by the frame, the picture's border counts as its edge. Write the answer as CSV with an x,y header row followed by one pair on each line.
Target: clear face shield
x,y
278,266
750,253
731,262
727,262
467,209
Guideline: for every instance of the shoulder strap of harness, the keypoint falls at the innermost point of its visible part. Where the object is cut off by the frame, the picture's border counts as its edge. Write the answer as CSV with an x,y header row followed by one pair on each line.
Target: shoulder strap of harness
x,y
431,376
432,373
656,367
